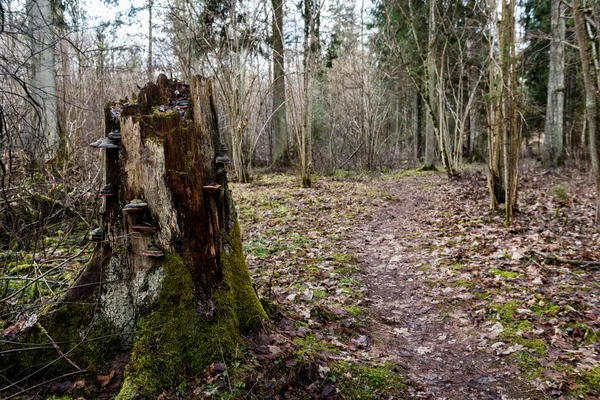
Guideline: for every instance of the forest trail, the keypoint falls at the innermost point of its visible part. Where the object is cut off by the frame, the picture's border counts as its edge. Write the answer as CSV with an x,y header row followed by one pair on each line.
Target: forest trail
x,y
421,324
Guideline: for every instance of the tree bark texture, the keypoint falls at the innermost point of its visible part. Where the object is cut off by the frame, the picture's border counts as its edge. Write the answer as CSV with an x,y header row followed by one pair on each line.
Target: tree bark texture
x,y
473,114
184,304
590,83
43,77
494,116
512,134
281,145
430,141
553,140
310,48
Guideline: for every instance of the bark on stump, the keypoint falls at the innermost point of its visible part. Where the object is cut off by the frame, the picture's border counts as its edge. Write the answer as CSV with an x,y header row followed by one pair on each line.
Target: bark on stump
x,y
180,311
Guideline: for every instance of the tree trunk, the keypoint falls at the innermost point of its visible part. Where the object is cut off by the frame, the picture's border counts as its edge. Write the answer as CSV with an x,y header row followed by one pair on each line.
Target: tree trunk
x,y
553,141
494,116
590,83
310,48
281,146
473,111
175,292
418,127
43,78
512,137
430,142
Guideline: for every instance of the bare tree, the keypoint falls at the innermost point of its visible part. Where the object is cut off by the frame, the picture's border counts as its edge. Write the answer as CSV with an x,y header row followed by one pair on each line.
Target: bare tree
x,y
589,60
504,137
553,134
302,108
41,25
281,146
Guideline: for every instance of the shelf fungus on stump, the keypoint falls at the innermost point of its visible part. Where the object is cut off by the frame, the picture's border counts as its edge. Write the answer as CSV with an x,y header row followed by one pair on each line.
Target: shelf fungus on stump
x,y
114,135
213,187
223,156
129,300
105,143
97,235
136,205
153,251
107,191
144,227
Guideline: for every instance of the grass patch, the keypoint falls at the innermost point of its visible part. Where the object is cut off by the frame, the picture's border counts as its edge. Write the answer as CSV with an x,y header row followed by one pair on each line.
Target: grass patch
x,y
362,381
456,266
354,310
546,309
505,274
463,283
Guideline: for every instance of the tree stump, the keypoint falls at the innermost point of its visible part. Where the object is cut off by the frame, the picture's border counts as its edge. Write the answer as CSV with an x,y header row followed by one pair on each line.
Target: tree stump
x,y
168,279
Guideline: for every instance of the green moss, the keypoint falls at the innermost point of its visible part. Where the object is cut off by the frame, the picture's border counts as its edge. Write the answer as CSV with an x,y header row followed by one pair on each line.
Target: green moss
x,y
513,330
362,381
351,269
88,343
591,335
507,311
528,363
546,309
505,274
241,295
341,174
157,114
176,340
310,348
354,310
344,258
588,381
456,266
463,283
561,192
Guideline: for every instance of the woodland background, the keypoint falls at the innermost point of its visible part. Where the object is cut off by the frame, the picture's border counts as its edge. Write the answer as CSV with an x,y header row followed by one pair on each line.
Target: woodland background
x,y
313,87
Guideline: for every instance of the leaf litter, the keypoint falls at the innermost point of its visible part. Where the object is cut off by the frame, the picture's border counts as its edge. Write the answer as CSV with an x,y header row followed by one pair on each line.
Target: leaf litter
x,y
416,274
408,286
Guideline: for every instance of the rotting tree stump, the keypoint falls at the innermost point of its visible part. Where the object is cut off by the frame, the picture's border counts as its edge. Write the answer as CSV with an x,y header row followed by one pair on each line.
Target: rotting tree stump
x,y
168,280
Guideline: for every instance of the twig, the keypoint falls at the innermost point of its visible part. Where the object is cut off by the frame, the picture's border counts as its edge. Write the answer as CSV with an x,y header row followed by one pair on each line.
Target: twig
x,y
552,257
55,345
43,383
25,278
26,349
45,273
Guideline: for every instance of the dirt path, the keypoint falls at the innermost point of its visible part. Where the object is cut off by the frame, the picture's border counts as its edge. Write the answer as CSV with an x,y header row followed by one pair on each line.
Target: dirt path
x,y
420,322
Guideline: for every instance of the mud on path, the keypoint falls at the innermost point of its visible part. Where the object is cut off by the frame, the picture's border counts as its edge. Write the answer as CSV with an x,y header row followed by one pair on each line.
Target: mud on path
x,y
419,321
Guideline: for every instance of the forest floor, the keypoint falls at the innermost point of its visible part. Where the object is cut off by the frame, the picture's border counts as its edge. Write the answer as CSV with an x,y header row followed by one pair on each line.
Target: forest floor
x,y
395,286
408,286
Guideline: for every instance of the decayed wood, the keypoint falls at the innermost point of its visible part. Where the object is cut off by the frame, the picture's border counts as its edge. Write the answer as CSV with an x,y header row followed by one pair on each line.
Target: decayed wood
x,y
165,159
182,282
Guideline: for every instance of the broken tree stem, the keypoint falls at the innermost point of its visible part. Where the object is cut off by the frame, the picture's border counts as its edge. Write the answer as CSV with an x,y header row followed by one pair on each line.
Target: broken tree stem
x,y
567,260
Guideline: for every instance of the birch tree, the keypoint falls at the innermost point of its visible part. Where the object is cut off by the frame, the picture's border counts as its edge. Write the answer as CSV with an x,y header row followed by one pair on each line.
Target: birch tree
x,y
41,21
